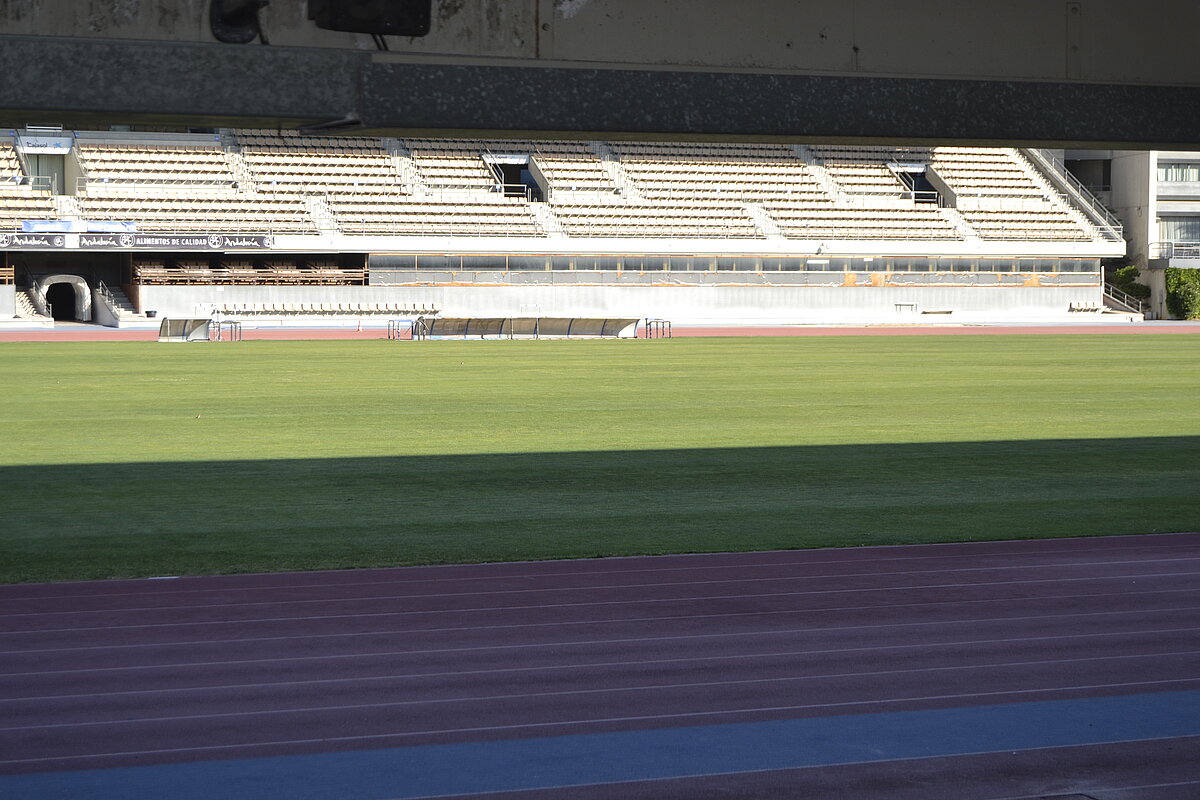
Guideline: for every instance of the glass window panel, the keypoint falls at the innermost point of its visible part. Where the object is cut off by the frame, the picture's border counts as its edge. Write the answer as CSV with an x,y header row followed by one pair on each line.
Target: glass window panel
x,y
438,262
398,261
534,263
1179,229
1173,172
483,262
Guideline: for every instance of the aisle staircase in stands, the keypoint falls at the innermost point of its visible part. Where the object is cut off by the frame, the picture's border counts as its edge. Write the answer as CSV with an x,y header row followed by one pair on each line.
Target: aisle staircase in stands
x,y
26,308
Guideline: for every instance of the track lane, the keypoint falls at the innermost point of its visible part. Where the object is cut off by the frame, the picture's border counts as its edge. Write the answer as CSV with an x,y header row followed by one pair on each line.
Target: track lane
x,y
234,667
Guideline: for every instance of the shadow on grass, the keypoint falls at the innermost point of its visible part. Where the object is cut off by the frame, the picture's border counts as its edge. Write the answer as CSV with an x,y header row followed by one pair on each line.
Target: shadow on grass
x,y
99,521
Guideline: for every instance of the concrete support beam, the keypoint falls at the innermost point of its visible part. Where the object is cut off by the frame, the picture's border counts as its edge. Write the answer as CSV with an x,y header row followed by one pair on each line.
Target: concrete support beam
x,y
96,83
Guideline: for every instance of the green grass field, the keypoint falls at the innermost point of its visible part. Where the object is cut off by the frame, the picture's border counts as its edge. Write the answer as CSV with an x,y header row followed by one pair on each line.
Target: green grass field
x,y
131,459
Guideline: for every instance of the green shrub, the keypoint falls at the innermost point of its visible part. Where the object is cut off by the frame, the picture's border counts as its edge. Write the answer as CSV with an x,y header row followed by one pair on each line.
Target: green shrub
x,y
1123,276
1126,279
1183,292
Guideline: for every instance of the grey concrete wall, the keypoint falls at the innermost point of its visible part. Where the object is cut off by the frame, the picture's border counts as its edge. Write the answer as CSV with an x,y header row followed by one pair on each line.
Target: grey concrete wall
x,y
1100,72
1133,197
383,278
678,303
101,314
8,301
1084,40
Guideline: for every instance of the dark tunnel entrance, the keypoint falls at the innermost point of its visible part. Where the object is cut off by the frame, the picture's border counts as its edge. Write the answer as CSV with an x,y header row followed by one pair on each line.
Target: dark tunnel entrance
x,y
60,297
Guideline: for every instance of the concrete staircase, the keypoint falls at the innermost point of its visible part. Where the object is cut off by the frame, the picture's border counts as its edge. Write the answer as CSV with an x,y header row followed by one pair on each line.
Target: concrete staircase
x,y
121,303
26,309
818,171
960,224
547,220
1066,192
67,207
764,222
321,213
232,152
405,167
615,170
111,307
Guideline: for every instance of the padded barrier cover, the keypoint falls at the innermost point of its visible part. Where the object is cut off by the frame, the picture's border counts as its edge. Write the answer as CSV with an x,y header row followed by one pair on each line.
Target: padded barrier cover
x,y
184,330
516,327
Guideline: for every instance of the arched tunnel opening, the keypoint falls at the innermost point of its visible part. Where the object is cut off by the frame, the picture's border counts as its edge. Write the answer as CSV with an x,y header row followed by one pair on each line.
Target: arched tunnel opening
x,y
60,297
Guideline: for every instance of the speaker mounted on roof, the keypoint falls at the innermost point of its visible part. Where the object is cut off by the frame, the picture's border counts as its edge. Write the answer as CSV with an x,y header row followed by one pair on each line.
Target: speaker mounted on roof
x,y
382,17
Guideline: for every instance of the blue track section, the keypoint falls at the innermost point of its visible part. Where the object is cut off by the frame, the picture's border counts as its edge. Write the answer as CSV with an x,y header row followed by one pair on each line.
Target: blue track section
x,y
526,764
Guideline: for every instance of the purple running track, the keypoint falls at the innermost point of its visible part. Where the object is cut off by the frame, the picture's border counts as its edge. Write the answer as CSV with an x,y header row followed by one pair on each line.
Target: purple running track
x,y
196,669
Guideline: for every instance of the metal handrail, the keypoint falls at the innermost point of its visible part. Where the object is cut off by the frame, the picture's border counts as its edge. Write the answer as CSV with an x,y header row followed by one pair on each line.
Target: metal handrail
x,y
40,183
1175,250
110,301
82,182
1105,219
1123,297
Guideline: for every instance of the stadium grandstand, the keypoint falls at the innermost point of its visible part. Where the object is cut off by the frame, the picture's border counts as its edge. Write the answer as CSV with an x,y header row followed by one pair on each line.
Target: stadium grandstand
x,y
279,227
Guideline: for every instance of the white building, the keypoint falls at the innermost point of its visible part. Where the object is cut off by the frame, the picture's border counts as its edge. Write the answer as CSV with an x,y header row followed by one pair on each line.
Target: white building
x,y
1156,195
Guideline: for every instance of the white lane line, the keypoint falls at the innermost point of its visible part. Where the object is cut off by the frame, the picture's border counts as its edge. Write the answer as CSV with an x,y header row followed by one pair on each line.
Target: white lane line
x,y
607,587
386,632
911,759
653,687
592,604
403,580
564,643
772,632
328,740
587,665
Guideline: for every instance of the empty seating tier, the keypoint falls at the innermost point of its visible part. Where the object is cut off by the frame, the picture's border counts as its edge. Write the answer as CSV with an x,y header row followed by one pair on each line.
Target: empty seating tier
x,y
487,215
305,164
195,211
264,181
244,272
657,220
179,164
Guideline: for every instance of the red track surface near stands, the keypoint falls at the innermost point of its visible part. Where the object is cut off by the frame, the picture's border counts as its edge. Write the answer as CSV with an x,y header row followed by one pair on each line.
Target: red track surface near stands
x,y
116,673
81,333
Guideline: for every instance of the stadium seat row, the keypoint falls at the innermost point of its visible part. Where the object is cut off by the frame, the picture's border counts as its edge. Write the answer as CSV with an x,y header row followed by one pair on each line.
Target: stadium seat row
x,y
241,309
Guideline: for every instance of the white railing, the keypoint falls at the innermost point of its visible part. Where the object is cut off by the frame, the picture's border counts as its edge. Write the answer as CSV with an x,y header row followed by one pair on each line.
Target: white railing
x,y
110,302
1104,219
82,183
1175,250
1135,304
38,183
239,227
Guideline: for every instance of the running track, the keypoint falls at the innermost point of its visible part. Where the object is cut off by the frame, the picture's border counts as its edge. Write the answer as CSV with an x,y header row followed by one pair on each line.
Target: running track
x,y
1064,668
95,333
